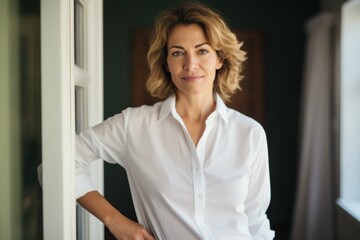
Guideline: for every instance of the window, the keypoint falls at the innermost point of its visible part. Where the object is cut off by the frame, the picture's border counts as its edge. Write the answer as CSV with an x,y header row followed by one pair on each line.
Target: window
x,y
350,109
71,91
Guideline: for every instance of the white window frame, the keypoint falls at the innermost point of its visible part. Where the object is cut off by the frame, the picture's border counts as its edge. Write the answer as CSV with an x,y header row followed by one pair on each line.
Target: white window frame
x,y
58,123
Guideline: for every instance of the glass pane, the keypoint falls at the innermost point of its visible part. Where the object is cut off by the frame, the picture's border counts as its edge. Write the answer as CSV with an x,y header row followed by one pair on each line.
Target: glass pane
x,y
81,216
79,109
79,34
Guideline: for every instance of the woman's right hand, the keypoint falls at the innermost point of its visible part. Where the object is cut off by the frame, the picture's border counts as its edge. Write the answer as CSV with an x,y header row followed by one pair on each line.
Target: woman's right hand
x,y
119,225
124,229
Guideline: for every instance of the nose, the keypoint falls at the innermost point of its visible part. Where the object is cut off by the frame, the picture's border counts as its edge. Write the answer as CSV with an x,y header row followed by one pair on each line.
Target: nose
x,y
190,62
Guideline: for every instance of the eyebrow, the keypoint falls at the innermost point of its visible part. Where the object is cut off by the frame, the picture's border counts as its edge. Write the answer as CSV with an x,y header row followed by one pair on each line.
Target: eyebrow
x,y
196,46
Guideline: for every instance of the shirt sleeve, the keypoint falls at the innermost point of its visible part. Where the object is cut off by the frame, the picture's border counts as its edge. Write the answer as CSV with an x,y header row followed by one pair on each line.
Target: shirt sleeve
x,y
104,141
258,198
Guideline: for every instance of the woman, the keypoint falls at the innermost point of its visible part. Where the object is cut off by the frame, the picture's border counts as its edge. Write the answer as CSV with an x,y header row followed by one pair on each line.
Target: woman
x,y
196,169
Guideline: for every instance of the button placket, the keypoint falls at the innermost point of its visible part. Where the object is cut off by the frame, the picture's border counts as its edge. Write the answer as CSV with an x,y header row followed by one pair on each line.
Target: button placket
x,y
199,184
198,159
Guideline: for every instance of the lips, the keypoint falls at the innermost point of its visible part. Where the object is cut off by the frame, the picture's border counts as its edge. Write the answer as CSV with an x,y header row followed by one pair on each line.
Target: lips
x,y
192,78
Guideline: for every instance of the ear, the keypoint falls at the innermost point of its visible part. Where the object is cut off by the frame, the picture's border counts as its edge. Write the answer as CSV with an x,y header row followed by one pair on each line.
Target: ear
x,y
219,64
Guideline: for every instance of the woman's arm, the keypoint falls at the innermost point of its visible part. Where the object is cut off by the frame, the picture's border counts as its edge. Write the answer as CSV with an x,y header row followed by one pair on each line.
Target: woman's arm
x,y
258,197
119,225
105,141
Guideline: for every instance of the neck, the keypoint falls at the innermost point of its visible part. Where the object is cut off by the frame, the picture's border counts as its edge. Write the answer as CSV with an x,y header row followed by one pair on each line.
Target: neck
x,y
195,107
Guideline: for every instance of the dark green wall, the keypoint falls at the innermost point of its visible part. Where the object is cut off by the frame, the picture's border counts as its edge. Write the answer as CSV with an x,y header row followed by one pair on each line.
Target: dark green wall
x,y
283,25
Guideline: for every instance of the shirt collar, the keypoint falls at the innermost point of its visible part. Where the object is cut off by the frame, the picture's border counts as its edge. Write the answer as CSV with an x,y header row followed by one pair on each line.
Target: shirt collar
x,y
221,108
169,105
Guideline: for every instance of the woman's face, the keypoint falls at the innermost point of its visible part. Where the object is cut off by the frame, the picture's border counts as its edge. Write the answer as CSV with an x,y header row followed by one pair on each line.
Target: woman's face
x,y
191,61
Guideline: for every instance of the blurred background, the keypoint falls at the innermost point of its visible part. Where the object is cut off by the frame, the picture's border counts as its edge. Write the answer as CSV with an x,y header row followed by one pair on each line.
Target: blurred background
x,y
276,37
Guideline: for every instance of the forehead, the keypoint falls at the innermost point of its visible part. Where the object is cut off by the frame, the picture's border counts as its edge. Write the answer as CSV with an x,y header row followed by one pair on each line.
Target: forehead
x,y
186,34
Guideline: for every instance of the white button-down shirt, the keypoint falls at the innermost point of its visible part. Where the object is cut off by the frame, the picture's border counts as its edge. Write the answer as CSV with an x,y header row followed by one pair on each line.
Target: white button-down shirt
x,y
217,190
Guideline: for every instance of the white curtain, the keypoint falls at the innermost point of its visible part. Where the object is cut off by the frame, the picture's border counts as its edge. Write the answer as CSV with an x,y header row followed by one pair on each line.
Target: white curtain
x,y
314,208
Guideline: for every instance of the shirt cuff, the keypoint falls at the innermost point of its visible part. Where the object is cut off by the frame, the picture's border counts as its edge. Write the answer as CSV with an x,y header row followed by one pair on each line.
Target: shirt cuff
x,y
83,185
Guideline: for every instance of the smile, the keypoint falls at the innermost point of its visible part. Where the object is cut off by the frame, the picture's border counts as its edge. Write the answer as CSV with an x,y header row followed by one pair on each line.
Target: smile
x,y
192,78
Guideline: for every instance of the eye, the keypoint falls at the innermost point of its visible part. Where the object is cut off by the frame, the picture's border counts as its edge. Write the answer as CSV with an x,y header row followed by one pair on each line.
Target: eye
x,y
177,53
203,51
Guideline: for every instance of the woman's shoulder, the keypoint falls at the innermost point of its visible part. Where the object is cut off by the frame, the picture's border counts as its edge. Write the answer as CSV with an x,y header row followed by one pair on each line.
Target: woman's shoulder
x,y
239,119
143,111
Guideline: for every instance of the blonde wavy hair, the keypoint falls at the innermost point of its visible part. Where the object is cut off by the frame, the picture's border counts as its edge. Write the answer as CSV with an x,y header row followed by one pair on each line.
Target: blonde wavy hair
x,y
220,37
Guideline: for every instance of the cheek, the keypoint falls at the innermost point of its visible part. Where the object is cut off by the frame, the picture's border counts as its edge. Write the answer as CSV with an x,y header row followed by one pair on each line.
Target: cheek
x,y
169,64
171,70
213,66
211,63
173,67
